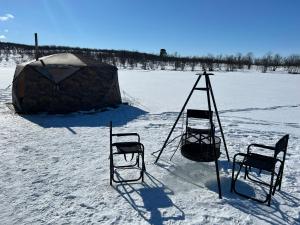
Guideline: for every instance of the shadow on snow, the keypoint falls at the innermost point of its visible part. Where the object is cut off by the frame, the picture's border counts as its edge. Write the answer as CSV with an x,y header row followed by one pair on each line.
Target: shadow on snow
x,y
155,196
119,116
203,175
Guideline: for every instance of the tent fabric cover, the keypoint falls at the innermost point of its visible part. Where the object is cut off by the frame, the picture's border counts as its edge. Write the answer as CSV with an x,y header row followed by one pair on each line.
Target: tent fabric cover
x,y
63,83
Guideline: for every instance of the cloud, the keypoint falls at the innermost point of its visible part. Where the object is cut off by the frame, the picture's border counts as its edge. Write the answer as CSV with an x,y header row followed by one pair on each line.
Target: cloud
x,y
6,17
2,37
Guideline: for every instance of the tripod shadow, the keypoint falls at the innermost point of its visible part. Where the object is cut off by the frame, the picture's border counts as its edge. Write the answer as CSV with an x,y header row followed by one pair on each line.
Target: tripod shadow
x,y
148,197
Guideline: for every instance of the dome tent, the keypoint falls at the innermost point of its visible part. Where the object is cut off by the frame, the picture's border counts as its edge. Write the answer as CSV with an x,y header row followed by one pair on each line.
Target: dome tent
x,y
63,83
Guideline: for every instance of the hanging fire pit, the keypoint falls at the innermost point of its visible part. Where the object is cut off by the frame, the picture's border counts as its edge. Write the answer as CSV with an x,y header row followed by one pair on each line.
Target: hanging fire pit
x,y
199,147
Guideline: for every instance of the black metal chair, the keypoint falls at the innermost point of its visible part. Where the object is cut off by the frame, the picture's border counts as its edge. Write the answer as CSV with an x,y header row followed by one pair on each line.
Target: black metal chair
x,y
272,164
133,148
200,144
198,134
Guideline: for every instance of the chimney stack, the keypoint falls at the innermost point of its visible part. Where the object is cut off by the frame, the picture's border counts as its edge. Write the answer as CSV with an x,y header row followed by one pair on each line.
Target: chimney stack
x,y
36,47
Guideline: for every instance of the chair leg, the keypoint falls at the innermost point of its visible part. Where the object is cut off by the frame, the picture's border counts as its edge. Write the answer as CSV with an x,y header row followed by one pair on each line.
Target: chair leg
x,y
233,189
275,186
246,172
143,166
111,169
280,177
277,182
270,191
232,176
137,165
233,180
110,179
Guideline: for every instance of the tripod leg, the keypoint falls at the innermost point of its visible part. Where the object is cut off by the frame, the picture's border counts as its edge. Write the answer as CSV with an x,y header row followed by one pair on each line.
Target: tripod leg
x,y
212,133
218,179
218,118
183,107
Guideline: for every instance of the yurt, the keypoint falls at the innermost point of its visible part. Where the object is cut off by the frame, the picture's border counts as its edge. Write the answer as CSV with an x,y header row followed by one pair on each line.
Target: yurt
x,y
63,83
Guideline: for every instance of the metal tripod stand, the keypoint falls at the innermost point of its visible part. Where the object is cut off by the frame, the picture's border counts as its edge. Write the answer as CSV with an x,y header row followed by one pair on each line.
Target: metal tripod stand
x,y
210,96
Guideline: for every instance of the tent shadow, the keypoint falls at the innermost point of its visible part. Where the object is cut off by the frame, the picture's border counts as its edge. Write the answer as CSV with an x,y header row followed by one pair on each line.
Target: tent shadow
x,y
154,195
119,116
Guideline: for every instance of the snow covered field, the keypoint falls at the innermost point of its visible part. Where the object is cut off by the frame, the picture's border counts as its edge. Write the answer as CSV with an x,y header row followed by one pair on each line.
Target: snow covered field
x,y
54,169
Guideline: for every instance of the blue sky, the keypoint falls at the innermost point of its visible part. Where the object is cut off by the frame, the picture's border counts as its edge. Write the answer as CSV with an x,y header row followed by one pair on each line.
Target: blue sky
x,y
190,27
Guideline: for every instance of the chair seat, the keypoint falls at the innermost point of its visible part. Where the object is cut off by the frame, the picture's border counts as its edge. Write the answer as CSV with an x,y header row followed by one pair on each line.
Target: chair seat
x,y
198,131
128,147
260,162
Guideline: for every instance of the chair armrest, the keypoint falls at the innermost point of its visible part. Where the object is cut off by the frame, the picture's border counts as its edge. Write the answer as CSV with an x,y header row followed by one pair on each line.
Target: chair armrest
x,y
239,154
260,146
127,134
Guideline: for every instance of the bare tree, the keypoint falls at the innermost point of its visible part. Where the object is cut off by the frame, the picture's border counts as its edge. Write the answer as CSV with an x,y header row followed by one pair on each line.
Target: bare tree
x,y
292,64
276,61
163,52
238,60
249,60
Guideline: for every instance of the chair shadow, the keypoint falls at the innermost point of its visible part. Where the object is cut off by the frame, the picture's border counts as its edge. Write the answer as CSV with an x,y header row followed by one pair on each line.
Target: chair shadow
x,y
120,116
225,187
257,210
154,195
275,213
270,214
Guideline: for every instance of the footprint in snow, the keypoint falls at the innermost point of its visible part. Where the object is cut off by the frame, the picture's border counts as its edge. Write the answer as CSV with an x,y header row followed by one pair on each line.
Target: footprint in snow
x,y
70,197
55,159
37,181
25,148
86,206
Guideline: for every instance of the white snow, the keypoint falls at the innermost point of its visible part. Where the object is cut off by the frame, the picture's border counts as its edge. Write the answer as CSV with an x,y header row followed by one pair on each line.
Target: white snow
x,y
54,169
162,91
6,76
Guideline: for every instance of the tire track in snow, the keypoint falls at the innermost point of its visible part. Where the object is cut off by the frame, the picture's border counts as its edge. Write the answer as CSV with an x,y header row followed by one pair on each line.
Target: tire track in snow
x,y
259,109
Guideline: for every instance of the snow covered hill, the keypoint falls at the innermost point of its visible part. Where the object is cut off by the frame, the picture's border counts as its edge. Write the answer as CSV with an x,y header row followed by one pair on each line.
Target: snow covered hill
x,y
54,169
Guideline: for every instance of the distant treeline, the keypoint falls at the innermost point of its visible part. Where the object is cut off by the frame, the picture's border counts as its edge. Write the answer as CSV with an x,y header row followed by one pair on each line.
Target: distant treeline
x,y
162,60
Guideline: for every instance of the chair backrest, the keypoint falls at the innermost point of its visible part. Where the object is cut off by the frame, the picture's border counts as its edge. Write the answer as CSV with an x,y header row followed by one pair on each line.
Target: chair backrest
x,y
199,114
281,145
